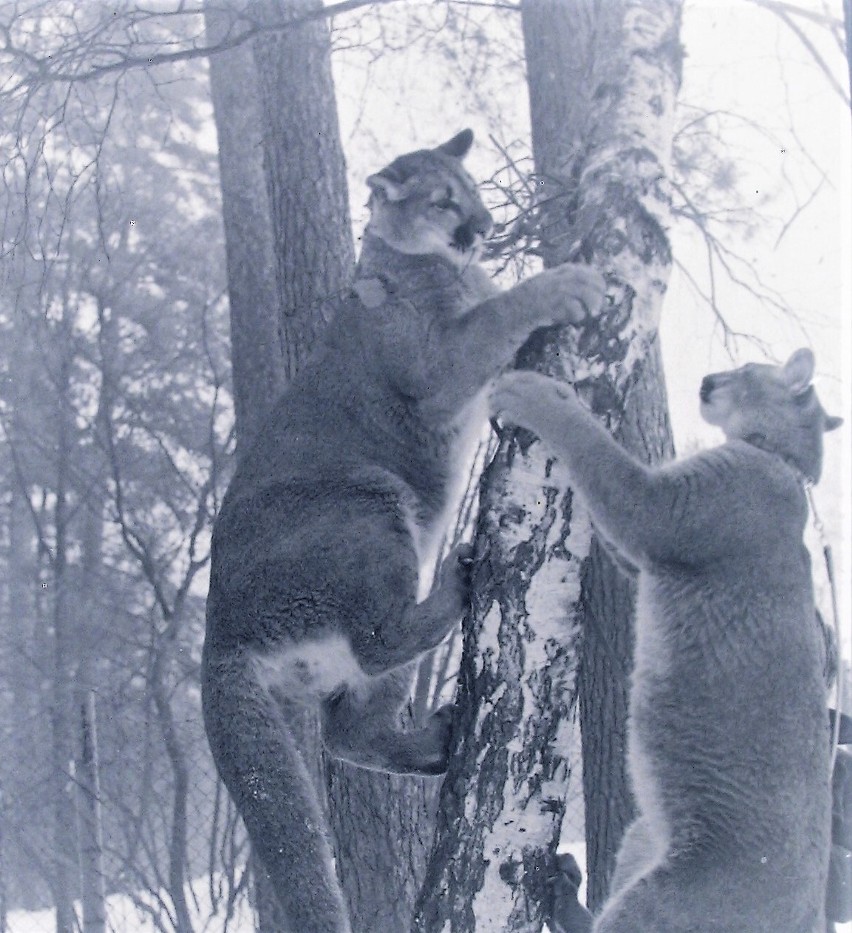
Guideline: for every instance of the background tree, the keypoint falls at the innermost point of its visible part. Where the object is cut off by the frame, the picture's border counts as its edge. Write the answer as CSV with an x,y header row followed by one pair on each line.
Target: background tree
x,y
110,485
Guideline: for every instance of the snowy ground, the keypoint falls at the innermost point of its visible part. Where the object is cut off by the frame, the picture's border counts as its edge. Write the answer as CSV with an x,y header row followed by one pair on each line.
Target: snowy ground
x,y
123,916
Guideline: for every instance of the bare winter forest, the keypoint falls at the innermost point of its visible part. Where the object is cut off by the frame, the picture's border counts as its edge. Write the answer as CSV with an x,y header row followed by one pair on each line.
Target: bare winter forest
x,y
183,191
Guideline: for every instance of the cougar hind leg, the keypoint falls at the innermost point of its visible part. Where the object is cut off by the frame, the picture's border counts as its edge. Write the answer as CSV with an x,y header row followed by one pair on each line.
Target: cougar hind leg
x,y
260,765
363,727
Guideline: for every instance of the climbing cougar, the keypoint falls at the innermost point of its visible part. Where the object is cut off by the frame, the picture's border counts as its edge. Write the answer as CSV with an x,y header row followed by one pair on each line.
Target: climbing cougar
x,y
324,548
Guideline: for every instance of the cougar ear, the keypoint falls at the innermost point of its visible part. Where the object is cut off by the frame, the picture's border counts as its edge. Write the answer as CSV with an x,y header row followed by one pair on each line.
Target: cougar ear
x,y
387,186
832,423
459,146
799,370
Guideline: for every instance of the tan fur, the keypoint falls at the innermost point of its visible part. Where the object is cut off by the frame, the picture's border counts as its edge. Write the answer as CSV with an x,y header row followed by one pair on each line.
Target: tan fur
x,y
324,546
728,744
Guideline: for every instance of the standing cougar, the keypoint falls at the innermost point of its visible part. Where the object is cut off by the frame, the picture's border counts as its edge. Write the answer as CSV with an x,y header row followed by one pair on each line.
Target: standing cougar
x,y
728,744
325,544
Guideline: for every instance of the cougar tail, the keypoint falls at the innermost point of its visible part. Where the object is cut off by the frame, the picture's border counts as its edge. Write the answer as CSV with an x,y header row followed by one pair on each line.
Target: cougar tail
x,y
260,765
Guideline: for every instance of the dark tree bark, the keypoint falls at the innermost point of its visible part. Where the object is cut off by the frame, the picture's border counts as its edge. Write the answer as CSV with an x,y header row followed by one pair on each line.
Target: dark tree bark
x,y
259,375
602,81
383,826
305,174
92,882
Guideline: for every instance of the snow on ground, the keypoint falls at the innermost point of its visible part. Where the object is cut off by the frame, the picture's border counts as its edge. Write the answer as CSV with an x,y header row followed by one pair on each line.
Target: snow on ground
x,y
123,916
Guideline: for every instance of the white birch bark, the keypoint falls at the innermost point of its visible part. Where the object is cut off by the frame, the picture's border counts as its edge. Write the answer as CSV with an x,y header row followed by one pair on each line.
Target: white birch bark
x,y
608,204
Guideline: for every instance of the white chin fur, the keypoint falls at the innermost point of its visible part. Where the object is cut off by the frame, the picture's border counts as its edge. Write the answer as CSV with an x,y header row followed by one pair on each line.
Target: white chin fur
x,y
709,414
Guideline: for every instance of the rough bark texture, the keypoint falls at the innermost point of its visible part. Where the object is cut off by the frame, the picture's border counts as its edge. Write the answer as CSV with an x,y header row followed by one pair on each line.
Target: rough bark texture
x,y
258,371
305,174
602,79
503,800
383,827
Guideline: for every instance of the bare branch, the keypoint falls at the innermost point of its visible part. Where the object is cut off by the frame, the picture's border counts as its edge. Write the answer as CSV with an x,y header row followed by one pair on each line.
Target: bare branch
x,y
786,13
44,70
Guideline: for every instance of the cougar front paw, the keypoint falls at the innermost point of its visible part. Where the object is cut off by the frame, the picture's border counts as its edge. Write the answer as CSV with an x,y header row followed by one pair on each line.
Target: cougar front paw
x,y
454,581
571,292
529,400
436,745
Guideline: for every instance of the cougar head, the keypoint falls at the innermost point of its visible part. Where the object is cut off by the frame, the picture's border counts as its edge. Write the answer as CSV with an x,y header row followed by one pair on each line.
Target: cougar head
x,y
775,407
425,203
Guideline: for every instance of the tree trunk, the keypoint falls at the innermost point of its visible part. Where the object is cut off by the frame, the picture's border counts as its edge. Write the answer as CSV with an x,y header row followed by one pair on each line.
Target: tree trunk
x,y
159,685
383,826
90,627
62,694
305,174
602,81
258,371
93,889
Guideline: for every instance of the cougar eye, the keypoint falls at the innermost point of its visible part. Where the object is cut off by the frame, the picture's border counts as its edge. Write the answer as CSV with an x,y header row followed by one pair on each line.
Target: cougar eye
x,y
445,202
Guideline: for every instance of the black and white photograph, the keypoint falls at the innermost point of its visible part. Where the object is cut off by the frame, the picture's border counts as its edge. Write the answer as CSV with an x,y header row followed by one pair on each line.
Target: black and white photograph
x,y
425,466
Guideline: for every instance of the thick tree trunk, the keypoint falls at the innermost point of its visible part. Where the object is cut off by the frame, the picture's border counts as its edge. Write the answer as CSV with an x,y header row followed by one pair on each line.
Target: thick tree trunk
x,y
258,372
383,827
602,81
305,173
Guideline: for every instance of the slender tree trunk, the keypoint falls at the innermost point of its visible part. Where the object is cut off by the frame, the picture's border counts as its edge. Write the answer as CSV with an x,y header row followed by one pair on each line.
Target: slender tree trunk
x,y
602,80
160,692
93,889
89,628
62,694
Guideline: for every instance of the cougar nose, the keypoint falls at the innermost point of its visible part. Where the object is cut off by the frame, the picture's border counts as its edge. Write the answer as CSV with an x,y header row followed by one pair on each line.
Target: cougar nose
x,y
465,235
707,385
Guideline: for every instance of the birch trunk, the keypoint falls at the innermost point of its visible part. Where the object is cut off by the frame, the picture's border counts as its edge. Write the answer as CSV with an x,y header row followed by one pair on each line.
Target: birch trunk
x,y
602,80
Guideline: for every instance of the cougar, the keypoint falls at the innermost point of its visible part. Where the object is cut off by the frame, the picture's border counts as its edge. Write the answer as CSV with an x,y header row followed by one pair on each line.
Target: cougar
x,y
329,532
728,744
